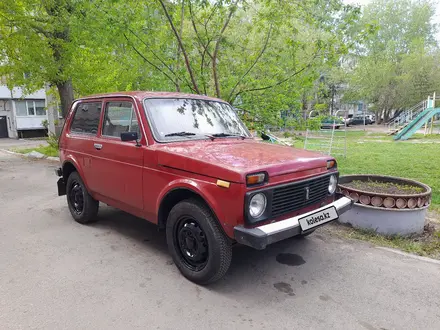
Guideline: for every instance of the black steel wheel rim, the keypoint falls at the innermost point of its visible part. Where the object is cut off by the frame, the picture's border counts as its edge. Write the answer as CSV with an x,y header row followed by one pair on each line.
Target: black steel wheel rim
x,y
76,197
191,243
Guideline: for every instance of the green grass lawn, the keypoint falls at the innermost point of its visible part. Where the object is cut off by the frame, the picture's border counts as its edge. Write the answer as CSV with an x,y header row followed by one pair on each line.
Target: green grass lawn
x,y
417,158
45,150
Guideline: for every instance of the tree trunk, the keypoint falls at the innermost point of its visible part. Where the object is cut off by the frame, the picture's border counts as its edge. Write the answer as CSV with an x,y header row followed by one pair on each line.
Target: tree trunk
x,y
182,16
65,90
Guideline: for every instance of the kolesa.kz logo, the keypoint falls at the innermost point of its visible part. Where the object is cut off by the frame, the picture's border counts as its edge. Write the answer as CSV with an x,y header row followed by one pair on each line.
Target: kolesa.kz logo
x,y
314,220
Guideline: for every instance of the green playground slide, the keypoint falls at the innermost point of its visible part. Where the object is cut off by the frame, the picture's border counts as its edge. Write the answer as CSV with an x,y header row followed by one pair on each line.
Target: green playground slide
x,y
416,123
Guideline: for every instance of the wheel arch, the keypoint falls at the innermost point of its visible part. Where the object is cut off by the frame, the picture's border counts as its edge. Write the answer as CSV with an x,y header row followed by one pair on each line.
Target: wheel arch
x,y
177,194
71,165
68,168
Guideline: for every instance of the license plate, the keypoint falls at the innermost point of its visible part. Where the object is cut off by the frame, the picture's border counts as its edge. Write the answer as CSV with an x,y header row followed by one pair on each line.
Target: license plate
x,y
318,218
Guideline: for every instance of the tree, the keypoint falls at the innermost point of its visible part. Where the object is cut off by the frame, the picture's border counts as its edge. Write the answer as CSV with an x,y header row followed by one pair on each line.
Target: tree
x,y
397,66
252,54
37,45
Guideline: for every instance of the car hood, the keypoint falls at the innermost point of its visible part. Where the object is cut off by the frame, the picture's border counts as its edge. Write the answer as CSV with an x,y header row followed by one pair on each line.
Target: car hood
x,y
232,160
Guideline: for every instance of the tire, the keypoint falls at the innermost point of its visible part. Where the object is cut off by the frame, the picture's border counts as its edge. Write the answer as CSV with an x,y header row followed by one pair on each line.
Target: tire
x,y
200,249
82,206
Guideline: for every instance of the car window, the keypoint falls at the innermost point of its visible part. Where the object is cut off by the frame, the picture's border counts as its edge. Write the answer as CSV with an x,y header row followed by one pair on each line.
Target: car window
x,y
183,118
119,117
86,118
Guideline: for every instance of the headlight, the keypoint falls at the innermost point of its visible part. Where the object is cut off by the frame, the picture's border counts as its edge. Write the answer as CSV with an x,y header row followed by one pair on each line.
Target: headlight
x,y
257,205
332,184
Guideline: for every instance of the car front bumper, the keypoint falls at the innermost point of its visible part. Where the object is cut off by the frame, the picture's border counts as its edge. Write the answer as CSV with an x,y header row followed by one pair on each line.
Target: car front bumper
x,y
260,237
61,184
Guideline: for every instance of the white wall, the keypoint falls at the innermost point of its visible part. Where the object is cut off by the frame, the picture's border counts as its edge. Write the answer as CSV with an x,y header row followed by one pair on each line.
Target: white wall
x,y
17,93
29,122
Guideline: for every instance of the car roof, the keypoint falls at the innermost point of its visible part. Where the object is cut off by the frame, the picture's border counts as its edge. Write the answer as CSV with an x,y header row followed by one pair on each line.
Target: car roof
x,y
141,95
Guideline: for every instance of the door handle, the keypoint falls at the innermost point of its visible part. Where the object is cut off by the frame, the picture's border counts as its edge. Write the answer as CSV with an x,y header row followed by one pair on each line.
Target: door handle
x,y
97,146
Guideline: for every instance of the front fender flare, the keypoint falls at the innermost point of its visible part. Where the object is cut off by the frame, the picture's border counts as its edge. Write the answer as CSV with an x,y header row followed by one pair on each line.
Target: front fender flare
x,y
196,187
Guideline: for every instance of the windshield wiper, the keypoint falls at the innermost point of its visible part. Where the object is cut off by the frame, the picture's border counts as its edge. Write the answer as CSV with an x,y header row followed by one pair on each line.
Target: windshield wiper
x,y
226,135
180,134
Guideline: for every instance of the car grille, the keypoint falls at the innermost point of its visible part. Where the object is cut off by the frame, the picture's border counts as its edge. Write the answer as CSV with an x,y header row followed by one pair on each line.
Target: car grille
x,y
292,197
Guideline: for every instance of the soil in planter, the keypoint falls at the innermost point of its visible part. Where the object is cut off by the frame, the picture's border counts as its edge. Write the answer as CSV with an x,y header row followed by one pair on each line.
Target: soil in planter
x,y
384,187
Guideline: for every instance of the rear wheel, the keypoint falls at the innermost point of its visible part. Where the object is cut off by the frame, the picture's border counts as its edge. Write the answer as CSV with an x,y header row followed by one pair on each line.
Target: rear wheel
x,y
199,248
82,206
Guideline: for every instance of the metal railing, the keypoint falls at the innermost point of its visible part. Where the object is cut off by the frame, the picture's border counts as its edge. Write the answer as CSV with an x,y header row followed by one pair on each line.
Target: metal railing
x,y
327,141
406,116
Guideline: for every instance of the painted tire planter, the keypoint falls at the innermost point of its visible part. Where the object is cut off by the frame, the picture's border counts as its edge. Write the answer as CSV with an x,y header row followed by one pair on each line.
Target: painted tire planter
x,y
399,211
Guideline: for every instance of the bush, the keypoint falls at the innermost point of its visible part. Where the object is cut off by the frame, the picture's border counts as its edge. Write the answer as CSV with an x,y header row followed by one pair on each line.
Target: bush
x,y
45,123
52,140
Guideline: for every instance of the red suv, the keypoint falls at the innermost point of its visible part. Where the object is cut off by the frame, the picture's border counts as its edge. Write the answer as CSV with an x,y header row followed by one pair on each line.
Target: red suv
x,y
188,164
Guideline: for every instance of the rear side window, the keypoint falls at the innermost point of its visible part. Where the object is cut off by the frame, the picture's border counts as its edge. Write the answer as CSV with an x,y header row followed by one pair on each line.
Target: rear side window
x,y
119,117
86,119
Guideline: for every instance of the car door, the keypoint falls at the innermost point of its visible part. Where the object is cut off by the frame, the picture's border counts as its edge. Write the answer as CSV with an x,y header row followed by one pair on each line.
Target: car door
x,y
118,164
81,137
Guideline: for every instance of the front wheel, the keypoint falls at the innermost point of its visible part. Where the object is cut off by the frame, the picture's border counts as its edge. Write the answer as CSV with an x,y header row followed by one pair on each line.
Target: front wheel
x,y
82,206
199,248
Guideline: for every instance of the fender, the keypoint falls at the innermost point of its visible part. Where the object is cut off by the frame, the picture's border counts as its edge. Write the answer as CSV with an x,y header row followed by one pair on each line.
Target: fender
x,y
69,158
197,187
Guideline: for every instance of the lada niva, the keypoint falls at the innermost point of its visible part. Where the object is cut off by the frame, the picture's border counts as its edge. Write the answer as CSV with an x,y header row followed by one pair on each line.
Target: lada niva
x,y
188,164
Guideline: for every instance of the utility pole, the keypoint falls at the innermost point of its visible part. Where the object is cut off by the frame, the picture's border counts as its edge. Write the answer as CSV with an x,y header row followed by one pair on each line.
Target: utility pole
x,y
333,100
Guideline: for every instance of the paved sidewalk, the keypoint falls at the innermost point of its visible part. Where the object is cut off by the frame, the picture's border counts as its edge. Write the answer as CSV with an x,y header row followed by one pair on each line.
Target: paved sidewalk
x,y
117,274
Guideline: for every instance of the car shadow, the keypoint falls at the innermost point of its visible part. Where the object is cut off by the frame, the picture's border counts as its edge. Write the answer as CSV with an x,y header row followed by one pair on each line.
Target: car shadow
x,y
249,267
133,228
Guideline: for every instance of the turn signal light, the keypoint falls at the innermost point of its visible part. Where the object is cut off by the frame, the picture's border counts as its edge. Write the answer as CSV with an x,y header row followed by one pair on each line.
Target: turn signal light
x,y
331,164
257,178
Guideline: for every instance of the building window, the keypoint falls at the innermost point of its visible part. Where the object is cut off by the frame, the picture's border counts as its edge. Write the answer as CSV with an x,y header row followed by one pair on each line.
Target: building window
x,y
30,108
40,108
21,108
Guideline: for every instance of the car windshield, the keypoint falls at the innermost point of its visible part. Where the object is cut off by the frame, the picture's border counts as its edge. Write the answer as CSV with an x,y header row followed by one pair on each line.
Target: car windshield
x,y
183,119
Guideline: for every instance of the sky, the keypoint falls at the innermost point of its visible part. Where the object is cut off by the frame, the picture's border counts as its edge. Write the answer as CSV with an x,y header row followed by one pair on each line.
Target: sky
x,y
436,18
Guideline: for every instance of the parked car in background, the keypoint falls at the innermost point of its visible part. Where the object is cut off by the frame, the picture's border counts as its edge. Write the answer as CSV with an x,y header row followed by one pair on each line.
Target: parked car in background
x,y
330,122
347,121
372,118
361,120
188,164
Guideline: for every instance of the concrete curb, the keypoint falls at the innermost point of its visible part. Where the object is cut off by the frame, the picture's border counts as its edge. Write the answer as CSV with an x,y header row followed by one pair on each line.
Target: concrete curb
x,y
409,255
53,159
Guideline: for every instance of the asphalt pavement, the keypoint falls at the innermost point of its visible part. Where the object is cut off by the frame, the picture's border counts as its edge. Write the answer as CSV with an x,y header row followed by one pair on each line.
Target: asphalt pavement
x,y
117,274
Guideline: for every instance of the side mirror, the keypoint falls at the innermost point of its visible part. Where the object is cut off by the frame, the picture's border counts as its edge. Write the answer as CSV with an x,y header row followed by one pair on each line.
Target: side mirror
x,y
130,136
265,137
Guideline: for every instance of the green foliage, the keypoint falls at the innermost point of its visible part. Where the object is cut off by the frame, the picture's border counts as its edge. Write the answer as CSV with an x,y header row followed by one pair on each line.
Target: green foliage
x,y
45,123
52,140
321,107
314,123
398,65
252,54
